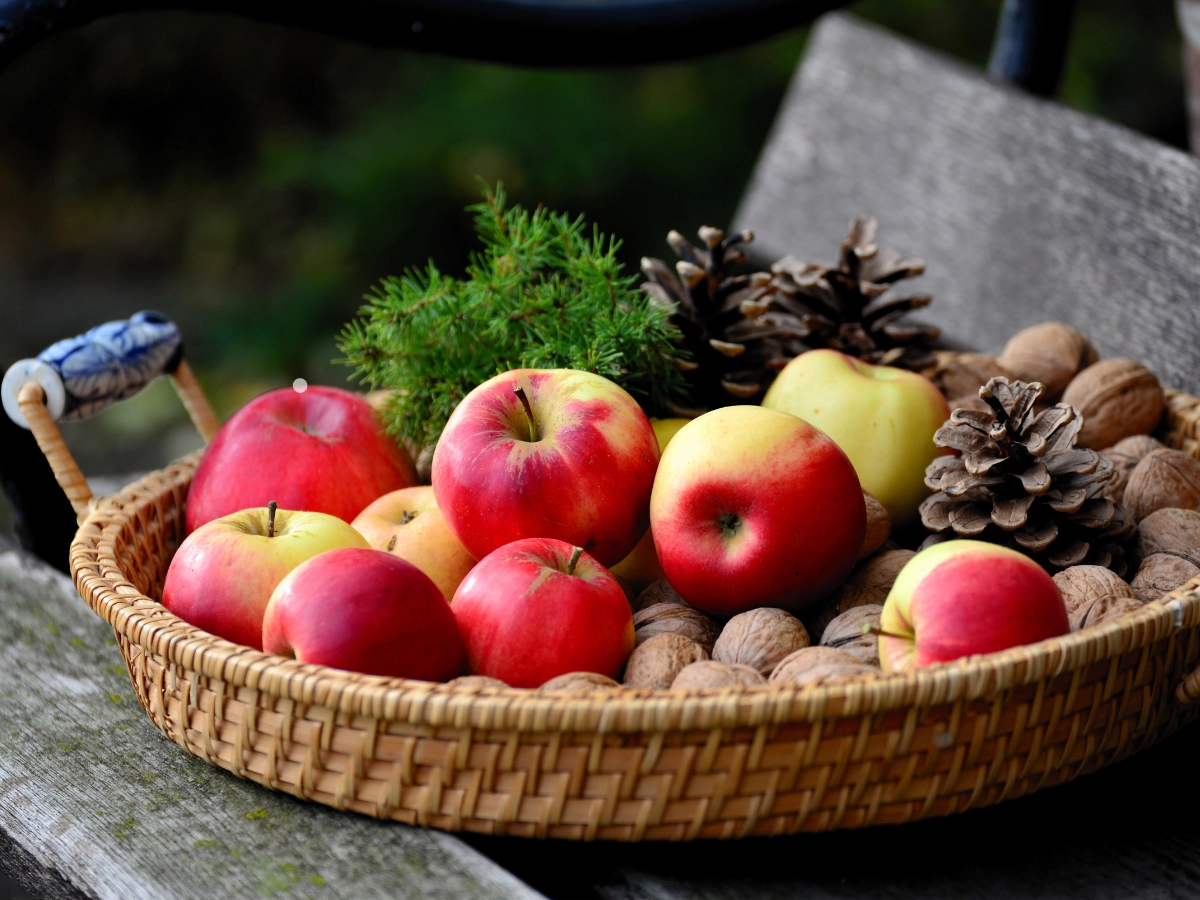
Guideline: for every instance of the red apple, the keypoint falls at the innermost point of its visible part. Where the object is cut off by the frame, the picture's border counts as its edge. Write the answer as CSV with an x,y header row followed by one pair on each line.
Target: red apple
x,y
321,450
409,524
962,597
547,453
539,608
754,507
222,575
365,611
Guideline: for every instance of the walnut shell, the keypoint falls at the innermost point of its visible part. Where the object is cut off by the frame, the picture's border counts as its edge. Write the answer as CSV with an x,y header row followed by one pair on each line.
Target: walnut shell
x,y
872,580
1052,353
658,592
760,639
477,681
829,672
712,674
1163,572
1125,455
796,664
1080,585
1168,529
579,681
848,632
963,374
656,661
816,618
1117,398
662,617
1164,479
1102,609
879,526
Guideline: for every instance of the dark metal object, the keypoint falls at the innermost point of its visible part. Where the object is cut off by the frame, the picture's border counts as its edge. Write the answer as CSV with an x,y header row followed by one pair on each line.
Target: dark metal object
x,y
521,32
1031,44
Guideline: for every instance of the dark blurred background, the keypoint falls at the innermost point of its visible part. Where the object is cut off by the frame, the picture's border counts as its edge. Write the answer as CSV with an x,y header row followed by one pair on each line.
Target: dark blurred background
x,y
253,182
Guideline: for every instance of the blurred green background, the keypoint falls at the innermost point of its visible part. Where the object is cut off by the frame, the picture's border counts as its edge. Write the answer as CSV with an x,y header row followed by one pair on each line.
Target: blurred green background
x,y
254,182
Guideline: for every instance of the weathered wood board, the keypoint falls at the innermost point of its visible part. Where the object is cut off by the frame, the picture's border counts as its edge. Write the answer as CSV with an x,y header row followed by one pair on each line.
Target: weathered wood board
x,y
110,807
1024,210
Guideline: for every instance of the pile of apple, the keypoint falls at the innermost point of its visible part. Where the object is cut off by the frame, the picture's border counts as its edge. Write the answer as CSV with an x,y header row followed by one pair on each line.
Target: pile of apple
x,y
310,538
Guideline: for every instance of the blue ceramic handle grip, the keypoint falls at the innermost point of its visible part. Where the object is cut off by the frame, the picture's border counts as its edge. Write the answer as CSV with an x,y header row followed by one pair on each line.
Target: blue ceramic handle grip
x,y
82,375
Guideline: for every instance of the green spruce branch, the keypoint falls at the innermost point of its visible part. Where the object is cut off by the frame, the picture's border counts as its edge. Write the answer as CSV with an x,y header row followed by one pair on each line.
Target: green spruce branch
x,y
542,293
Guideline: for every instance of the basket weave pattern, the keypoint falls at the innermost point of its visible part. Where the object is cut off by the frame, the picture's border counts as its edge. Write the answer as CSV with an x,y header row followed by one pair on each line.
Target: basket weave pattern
x,y
636,764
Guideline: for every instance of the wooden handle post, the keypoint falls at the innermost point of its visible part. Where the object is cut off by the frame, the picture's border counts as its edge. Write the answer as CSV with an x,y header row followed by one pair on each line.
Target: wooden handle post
x,y
66,471
195,402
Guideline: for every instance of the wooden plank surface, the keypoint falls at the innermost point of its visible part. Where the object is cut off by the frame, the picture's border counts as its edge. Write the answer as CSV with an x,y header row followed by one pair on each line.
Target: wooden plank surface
x,y
107,806
1023,209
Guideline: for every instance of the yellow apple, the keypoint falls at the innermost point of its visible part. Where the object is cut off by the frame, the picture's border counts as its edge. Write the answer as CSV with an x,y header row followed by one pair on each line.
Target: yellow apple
x,y
641,568
408,524
882,417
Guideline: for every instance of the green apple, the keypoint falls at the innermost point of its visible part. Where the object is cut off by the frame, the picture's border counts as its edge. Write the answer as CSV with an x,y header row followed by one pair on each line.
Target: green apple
x,y
641,567
883,418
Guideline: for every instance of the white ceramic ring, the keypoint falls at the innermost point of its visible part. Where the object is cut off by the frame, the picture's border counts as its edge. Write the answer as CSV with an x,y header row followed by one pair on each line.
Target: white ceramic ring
x,y
22,373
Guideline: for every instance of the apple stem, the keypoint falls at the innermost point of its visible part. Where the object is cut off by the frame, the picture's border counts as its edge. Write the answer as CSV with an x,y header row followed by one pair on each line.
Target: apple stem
x,y
575,554
520,392
271,507
868,628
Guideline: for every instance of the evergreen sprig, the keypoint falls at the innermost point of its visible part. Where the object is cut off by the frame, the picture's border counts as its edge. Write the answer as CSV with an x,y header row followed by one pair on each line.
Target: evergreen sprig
x,y
542,293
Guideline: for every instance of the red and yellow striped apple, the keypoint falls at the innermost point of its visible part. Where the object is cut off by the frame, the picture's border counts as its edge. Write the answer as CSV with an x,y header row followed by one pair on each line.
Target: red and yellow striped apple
x,y
365,611
539,608
641,567
753,507
554,453
882,417
957,598
222,575
409,524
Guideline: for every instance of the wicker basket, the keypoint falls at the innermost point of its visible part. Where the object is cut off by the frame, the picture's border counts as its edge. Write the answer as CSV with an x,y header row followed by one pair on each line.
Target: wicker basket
x,y
634,764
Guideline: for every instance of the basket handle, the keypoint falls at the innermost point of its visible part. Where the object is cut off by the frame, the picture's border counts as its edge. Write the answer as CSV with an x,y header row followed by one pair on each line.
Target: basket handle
x,y
80,376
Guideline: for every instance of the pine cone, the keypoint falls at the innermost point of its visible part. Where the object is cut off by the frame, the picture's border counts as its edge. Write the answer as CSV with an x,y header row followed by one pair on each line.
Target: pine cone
x,y
1020,481
738,340
844,308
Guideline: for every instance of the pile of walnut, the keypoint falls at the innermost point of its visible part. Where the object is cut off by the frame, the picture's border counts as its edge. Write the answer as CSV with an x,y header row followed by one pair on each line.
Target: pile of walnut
x,y
1121,402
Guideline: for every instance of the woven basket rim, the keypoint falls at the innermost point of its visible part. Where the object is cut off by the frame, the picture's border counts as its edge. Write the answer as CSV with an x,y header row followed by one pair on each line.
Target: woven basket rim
x,y
147,623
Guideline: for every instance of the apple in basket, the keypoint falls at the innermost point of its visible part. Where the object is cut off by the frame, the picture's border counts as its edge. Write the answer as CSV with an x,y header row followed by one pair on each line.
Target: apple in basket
x,y
957,598
321,450
409,524
754,507
882,417
222,575
554,453
539,608
365,611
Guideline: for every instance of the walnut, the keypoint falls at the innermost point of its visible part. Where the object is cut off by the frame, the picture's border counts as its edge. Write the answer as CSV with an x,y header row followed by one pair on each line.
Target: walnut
x,y
796,664
818,616
1163,572
477,681
872,580
1168,529
849,632
1165,479
1081,585
963,374
879,526
1117,398
712,674
579,681
1101,609
1052,353
1125,455
759,639
830,672
659,592
691,623
656,661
